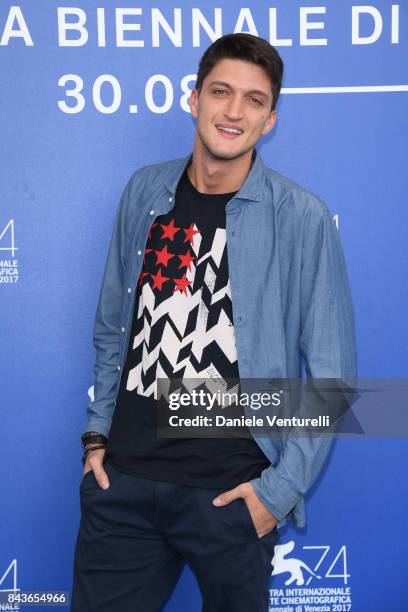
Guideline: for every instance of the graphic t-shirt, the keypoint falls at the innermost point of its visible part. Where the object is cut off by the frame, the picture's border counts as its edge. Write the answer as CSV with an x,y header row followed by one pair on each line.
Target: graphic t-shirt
x,y
182,328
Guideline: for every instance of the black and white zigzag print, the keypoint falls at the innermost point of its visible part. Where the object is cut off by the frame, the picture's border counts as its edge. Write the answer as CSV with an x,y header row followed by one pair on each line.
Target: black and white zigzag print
x,y
183,324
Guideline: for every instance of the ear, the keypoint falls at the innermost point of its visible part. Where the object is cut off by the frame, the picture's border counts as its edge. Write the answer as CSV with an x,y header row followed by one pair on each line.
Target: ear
x,y
193,101
270,122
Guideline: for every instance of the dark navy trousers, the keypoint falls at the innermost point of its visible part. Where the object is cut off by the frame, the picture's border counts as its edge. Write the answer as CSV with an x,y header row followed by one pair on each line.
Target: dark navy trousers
x,y
135,537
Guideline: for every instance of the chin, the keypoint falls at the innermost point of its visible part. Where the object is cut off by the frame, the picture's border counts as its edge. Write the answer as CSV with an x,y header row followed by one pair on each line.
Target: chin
x,y
223,154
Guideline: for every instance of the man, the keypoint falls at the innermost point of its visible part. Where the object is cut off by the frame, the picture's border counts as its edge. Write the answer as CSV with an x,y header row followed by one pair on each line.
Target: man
x,y
218,267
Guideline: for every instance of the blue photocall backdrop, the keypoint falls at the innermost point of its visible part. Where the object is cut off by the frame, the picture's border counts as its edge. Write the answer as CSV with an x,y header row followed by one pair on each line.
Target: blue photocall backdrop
x,y
92,91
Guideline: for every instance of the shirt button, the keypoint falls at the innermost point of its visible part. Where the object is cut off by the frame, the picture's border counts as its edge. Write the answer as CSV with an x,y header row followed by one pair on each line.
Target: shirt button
x,y
123,330
170,199
118,368
151,212
139,252
129,290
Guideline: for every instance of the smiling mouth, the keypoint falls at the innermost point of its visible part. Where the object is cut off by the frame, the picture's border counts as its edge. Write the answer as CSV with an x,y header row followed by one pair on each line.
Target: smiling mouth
x,y
228,131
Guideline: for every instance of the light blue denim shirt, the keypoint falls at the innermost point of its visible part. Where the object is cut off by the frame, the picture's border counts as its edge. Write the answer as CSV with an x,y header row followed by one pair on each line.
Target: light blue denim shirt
x,y
291,303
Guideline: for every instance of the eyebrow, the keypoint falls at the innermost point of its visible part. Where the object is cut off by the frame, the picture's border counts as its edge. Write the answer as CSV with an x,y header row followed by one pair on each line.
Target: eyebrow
x,y
257,92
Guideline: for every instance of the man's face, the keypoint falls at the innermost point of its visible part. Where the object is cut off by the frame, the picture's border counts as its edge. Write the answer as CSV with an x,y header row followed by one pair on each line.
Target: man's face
x,y
233,108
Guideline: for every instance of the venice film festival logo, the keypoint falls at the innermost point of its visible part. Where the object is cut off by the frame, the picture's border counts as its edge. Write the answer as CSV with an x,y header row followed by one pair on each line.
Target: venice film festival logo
x,y
8,584
310,576
8,260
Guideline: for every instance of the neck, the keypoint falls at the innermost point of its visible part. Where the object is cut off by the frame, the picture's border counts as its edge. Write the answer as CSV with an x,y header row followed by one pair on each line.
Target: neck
x,y
211,175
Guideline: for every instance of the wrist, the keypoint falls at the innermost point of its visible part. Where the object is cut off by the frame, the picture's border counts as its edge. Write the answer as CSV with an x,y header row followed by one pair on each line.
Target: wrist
x,y
92,449
93,445
92,440
93,437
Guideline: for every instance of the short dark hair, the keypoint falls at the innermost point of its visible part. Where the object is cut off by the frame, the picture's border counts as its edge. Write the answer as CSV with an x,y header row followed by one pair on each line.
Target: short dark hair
x,y
248,48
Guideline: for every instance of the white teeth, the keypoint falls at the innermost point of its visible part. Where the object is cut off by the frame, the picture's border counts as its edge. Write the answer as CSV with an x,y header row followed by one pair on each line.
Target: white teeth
x,y
231,130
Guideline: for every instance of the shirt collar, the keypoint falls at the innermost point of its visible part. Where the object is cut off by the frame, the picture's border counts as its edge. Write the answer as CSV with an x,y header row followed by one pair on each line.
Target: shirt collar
x,y
251,188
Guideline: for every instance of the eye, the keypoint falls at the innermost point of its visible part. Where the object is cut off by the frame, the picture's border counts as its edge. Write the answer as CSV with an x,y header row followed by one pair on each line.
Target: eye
x,y
219,92
257,102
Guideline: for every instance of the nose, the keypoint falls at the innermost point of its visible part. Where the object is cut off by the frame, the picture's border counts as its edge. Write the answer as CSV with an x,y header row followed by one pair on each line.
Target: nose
x,y
233,108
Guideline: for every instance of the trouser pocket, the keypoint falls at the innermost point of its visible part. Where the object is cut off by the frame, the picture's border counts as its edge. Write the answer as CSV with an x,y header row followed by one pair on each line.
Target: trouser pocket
x,y
272,534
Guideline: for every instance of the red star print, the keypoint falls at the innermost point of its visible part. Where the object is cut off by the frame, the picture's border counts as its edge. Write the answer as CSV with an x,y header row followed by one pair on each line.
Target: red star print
x,y
186,260
182,284
141,277
162,257
169,230
150,231
159,280
190,232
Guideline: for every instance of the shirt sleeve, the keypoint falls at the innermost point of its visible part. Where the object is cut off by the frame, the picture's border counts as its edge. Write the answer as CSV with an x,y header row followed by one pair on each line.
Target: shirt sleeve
x,y
327,348
107,331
